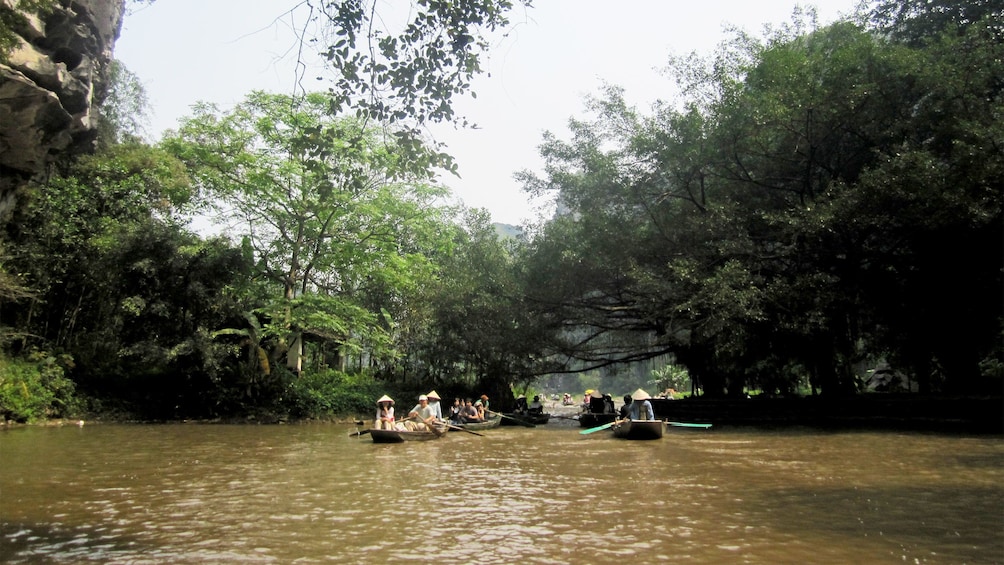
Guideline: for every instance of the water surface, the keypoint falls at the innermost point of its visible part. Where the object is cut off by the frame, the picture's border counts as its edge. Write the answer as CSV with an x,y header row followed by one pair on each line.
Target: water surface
x,y
191,493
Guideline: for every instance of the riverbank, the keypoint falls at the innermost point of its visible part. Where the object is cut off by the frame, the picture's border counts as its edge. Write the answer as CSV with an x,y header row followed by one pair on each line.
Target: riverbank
x,y
983,414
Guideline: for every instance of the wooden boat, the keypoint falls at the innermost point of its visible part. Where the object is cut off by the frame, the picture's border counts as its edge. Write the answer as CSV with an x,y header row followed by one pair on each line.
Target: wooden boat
x,y
640,429
398,436
593,419
517,419
490,423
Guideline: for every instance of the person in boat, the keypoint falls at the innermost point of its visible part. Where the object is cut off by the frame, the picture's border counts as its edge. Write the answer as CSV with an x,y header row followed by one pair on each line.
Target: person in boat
x,y
470,413
422,415
480,407
625,410
536,407
436,406
521,406
484,405
384,414
608,404
641,408
455,410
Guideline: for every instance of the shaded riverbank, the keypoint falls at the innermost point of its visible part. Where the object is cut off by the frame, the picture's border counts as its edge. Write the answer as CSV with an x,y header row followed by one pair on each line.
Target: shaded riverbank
x,y
907,412
865,411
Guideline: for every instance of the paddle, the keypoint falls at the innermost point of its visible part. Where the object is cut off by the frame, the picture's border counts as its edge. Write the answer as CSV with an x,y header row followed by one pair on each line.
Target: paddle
x,y
686,425
603,427
517,420
449,425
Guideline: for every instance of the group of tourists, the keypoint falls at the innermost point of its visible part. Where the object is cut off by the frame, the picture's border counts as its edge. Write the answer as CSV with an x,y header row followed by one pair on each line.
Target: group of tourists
x,y
535,407
423,417
427,415
467,411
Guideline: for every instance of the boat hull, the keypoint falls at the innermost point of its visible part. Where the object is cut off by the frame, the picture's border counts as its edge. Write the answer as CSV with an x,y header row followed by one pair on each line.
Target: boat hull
x,y
640,429
397,436
515,419
490,423
593,419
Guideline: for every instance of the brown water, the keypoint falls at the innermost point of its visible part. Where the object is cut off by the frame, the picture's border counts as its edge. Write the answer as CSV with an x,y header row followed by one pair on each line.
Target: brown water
x,y
310,494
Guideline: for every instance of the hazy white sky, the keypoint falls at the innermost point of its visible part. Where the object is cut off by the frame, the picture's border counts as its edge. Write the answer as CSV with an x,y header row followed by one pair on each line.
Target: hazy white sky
x,y
557,52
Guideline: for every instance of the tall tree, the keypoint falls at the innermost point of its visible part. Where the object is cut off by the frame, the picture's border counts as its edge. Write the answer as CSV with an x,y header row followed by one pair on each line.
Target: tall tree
x,y
322,205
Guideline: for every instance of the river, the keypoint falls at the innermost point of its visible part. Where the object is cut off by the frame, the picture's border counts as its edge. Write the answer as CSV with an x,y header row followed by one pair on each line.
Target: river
x,y
201,493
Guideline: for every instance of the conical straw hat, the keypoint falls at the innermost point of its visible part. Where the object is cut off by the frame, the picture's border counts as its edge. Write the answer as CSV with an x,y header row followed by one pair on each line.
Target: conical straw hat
x,y
433,396
640,395
385,398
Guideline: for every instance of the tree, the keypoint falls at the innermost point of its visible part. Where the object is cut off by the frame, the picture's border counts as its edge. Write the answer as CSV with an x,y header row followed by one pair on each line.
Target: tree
x,y
403,72
317,204
117,285
791,213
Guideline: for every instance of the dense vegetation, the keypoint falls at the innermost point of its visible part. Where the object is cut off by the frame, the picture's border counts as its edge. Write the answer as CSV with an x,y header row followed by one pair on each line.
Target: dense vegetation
x,y
818,200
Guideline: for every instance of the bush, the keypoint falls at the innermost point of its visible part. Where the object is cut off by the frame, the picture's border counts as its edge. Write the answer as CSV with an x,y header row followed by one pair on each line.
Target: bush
x,y
36,388
329,393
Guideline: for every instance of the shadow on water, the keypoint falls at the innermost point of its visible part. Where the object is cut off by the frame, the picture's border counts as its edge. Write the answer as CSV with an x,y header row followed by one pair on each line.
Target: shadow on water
x,y
913,524
56,543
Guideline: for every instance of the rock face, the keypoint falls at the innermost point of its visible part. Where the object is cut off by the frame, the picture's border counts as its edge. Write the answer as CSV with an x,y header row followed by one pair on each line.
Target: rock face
x,y
51,87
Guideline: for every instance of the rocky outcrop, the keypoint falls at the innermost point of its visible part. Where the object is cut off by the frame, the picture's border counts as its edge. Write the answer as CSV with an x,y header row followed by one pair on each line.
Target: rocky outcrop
x,y
51,87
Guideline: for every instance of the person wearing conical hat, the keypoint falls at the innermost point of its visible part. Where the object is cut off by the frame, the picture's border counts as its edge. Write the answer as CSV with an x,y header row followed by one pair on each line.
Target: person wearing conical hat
x,y
641,408
385,413
434,403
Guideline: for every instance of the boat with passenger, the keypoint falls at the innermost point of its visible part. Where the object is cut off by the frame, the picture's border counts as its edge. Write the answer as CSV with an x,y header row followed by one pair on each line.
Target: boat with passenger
x,y
639,429
492,421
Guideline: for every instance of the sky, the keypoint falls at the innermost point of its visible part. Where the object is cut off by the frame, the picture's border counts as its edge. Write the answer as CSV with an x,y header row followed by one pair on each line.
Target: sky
x,y
539,74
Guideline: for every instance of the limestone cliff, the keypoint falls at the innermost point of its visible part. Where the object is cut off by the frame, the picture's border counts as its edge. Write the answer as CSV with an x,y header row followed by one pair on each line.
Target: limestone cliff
x,y
51,87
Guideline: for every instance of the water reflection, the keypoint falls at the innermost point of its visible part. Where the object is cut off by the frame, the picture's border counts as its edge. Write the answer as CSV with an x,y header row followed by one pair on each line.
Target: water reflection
x,y
311,494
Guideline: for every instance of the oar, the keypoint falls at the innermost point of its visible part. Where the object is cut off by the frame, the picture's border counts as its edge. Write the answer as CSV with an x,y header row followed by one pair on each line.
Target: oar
x,y
517,420
688,425
603,427
449,425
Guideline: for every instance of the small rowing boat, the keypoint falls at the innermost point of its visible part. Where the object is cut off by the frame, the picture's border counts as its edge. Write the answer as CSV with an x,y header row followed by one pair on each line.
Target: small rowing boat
x,y
593,419
489,423
524,419
639,429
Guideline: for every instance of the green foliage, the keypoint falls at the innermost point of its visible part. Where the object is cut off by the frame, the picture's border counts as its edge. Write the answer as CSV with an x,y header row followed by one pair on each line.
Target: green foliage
x,y
337,233
795,213
35,388
14,20
124,111
671,376
324,394
404,73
